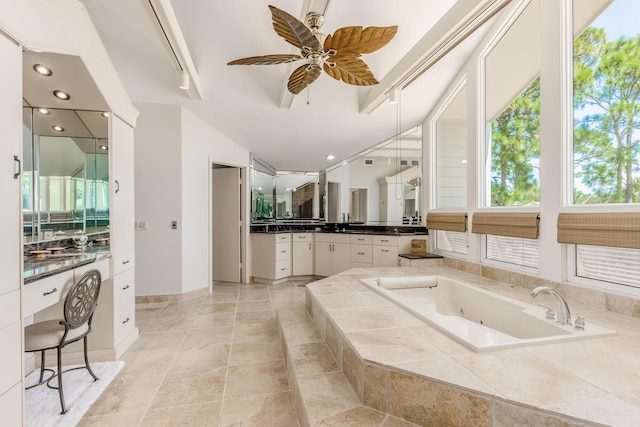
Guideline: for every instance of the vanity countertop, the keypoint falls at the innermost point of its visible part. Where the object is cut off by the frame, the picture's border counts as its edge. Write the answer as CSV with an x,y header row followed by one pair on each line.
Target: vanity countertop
x,y
343,228
63,261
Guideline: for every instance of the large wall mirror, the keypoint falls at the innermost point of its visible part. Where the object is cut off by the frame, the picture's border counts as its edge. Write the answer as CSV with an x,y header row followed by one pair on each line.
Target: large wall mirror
x,y
65,176
381,185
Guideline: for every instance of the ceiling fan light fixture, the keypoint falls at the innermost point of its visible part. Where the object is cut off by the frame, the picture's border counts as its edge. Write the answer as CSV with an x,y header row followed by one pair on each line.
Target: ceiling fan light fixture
x,y
330,156
184,81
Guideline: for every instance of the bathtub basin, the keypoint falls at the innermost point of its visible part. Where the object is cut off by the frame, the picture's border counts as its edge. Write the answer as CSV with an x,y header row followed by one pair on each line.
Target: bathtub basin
x,y
480,319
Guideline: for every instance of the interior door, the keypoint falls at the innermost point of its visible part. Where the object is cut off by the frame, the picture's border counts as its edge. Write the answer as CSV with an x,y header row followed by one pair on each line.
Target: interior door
x,y
227,221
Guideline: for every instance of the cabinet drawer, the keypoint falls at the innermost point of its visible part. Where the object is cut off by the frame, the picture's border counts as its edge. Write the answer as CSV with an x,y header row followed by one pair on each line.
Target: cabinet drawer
x,y
283,251
361,253
11,405
45,292
361,239
283,237
283,269
9,308
102,266
303,237
333,237
124,287
123,262
124,320
385,240
361,264
10,356
385,256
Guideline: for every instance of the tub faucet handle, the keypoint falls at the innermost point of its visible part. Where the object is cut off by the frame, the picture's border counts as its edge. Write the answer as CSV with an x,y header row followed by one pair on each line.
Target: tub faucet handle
x,y
550,315
579,323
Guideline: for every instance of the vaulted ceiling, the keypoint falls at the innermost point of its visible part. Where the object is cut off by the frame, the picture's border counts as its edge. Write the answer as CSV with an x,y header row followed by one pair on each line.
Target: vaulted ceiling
x,y
249,104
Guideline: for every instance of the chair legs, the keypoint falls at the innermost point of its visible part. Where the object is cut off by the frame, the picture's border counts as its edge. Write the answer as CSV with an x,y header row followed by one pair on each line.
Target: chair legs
x,y
86,361
60,392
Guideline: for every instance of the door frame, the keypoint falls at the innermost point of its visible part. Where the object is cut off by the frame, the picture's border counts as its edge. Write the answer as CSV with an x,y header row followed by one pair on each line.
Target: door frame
x,y
244,227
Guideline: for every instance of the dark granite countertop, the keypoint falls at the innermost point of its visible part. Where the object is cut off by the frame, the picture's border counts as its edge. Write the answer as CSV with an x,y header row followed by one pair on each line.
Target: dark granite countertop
x,y
343,228
63,261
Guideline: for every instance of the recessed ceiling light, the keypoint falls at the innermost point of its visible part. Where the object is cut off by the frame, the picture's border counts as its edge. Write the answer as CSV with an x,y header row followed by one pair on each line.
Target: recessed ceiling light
x,y
105,114
43,110
43,70
57,128
259,188
330,156
287,189
103,147
60,94
345,163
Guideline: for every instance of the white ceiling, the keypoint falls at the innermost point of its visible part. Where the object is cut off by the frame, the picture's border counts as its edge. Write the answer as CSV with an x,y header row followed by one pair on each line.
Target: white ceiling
x,y
243,102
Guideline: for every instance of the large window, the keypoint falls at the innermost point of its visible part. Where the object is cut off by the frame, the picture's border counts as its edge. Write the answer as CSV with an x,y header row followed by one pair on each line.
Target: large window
x,y
451,154
512,93
606,142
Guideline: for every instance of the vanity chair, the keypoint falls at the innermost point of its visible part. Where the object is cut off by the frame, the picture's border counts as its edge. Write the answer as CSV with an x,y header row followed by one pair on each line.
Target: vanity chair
x,y
79,306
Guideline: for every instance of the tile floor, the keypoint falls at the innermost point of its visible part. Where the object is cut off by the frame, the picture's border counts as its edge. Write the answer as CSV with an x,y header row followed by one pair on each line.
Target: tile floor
x,y
209,361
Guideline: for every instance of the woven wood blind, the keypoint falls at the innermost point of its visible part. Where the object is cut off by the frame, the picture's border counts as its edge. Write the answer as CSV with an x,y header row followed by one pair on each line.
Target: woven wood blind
x,y
447,221
619,229
514,224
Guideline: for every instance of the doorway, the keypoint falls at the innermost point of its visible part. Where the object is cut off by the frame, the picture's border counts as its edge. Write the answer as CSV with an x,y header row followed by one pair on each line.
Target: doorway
x,y
227,223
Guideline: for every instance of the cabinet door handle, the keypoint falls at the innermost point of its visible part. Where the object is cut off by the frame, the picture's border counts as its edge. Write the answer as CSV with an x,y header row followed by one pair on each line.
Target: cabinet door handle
x,y
117,186
54,290
360,240
125,320
360,253
384,250
126,262
384,240
283,251
302,237
309,246
126,287
19,162
283,268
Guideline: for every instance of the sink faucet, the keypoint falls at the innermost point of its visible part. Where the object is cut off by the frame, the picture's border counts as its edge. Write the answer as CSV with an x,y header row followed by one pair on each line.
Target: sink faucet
x,y
564,315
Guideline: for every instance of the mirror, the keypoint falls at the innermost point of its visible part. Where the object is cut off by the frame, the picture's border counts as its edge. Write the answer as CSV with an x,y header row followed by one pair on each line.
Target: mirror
x,y
381,185
297,195
263,190
65,176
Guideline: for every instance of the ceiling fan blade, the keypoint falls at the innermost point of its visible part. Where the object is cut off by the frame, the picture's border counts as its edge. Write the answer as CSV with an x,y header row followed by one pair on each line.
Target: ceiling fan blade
x,y
266,59
292,30
352,70
355,40
302,77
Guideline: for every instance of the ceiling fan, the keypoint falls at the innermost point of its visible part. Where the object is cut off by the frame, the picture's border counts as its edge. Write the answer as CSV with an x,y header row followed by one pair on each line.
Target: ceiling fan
x,y
338,54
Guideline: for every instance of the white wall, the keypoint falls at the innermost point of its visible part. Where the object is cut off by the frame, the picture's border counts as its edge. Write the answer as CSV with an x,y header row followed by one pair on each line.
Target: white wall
x,y
202,145
174,151
341,175
158,199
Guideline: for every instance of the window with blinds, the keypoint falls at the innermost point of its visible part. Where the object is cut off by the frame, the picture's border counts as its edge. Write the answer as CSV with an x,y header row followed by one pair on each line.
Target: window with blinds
x,y
609,264
451,242
512,250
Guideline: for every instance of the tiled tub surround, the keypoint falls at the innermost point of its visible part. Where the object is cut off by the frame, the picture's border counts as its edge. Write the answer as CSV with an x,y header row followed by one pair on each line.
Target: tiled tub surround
x,y
399,365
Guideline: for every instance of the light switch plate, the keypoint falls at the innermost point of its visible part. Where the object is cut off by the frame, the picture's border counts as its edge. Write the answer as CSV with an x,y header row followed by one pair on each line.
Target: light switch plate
x,y
142,225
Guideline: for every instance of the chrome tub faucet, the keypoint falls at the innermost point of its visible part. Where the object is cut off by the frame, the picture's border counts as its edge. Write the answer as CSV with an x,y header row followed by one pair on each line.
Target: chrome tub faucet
x,y
564,315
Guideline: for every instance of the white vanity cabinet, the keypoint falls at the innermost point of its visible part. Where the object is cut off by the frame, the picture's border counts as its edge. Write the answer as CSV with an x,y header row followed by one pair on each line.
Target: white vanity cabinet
x,y
385,251
361,254
270,257
302,254
332,253
11,345
121,287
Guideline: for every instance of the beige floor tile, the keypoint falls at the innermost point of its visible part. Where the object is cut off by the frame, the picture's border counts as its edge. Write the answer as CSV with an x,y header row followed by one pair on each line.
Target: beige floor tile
x,y
312,358
326,395
218,320
126,393
125,419
199,414
357,319
147,362
260,411
218,308
249,318
168,324
153,340
256,379
201,357
391,421
251,306
207,336
189,387
255,331
254,352
356,417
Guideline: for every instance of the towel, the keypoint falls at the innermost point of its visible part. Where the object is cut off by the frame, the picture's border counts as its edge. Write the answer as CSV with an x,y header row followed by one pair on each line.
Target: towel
x,y
408,282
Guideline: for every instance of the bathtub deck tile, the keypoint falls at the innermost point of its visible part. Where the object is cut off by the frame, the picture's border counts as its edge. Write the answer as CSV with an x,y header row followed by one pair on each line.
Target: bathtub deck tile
x,y
391,346
358,319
